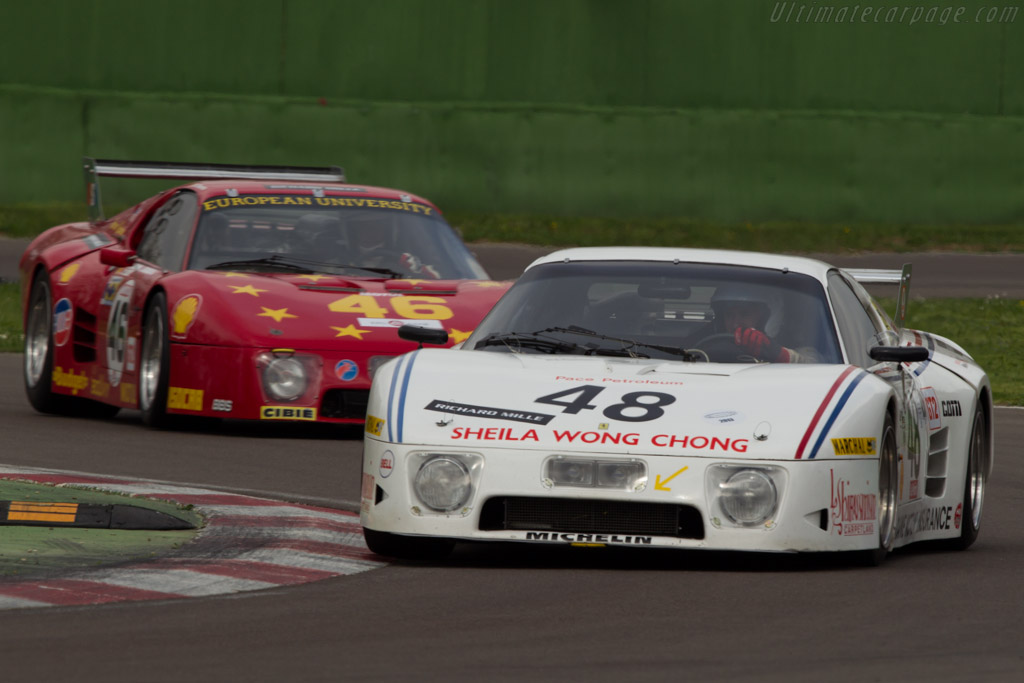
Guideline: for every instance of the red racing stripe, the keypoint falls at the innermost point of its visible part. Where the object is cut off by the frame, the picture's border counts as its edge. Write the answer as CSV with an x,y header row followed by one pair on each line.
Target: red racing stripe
x,y
76,592
821,410
245,569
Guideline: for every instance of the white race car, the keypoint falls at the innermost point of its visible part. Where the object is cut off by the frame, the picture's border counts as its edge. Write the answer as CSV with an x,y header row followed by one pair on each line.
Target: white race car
x,y
680,398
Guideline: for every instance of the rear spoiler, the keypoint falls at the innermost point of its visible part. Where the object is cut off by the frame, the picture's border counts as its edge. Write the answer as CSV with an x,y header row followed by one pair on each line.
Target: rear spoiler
x,y
94,168
878,276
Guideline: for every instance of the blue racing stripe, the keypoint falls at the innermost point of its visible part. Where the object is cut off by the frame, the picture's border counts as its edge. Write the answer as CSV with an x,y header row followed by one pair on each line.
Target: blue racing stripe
x,y
405,388
835,411
391,398
925,363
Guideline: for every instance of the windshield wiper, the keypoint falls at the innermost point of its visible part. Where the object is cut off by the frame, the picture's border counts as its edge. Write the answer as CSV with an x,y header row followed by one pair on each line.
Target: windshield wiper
x,y
630,344
295,265
531,340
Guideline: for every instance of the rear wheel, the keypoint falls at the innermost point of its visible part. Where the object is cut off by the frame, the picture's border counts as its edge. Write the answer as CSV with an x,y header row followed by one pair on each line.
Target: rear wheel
x,y
888,495
408,547
154,364
38,359
974,486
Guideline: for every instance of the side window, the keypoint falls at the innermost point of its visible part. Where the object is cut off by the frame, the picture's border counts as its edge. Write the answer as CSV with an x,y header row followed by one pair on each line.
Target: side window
x,y
166,235
856,325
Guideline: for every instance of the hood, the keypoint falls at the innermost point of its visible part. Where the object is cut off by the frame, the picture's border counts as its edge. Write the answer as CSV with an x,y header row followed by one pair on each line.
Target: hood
x,y
313,312
564,404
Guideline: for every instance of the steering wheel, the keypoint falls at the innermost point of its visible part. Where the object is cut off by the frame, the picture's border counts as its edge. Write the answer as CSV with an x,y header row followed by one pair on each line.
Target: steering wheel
x,y
720,346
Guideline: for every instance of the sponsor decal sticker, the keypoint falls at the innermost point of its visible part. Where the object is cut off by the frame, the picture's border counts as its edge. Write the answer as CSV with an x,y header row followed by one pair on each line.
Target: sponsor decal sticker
x,y
387,464
854,446
346,370
302,200
62,318
489,412
398,322
284,413
68,273
724,417
374,425
179,398
70,380
952,409
111,289
128,394
222,405
853,514
593,539
938,518
366,493
184,314
931,405
99,387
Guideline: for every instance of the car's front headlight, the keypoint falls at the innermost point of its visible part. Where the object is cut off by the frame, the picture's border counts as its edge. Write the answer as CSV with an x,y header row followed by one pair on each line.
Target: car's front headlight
x,y
444,482
285,377
745,496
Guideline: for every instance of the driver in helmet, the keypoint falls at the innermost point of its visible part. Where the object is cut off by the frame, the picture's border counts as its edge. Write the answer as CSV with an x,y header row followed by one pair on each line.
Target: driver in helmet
x,y
742,312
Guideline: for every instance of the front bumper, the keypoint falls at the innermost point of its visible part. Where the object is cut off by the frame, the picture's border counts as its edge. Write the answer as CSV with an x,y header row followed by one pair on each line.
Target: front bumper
x,y
823,505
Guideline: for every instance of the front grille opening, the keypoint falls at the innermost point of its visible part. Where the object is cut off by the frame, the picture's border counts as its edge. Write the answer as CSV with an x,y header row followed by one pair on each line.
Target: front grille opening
x,y
345,403
591,517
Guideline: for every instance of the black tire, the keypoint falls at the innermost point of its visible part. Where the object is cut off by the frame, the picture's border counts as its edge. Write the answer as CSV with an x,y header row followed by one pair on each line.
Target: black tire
x,y
888,496
974,484
408,547
38,359
155,364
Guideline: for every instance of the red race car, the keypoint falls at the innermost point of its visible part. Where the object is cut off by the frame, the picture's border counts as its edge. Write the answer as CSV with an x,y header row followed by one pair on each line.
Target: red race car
x,y
254,292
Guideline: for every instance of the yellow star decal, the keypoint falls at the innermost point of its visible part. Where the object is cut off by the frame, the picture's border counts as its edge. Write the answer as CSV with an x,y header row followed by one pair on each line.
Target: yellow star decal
x,y
277,314
456,336
350,331
413,282
314,278
488,283
248,289
232,273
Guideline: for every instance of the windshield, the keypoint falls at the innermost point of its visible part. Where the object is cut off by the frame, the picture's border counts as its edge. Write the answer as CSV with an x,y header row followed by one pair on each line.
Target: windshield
x,y
404,242
656,310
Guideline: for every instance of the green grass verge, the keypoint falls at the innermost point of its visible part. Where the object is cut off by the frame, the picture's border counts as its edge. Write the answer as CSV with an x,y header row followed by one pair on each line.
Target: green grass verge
x,y
28,220
788,237
28,551
991,330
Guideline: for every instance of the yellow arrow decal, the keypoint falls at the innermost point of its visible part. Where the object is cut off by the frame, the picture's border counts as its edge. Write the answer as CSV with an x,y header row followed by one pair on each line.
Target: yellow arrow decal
x,y
659,485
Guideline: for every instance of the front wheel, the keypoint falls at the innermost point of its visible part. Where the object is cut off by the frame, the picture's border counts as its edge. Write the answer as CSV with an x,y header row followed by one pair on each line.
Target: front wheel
x,y
408,547
154,364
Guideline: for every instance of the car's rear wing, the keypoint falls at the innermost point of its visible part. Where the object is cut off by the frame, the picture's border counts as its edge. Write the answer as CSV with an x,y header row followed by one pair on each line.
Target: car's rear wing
x,y
94,168
879,276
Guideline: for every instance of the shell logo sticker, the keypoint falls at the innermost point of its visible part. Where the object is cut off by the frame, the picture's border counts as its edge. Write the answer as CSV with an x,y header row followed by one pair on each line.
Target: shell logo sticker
x,y
62,317
346,370
184,314
68,273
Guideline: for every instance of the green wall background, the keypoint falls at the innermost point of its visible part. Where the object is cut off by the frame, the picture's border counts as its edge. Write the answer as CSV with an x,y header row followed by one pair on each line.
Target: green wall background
x,y
709,109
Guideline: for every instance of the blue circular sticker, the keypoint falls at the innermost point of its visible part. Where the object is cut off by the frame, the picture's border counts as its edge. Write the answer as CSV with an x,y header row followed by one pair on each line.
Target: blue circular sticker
x,y
346,370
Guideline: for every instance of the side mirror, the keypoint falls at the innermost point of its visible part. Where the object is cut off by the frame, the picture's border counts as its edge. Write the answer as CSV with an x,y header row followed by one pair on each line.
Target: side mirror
x,y
423,335
899,354
116,256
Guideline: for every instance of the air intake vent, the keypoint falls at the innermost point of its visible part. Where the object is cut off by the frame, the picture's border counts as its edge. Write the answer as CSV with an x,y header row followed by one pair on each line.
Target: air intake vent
x,y
591,517
345,403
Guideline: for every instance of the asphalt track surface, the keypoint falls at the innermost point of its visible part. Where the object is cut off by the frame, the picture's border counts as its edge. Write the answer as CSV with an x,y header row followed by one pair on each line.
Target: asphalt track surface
x,y
516,612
